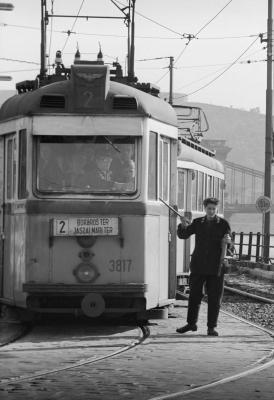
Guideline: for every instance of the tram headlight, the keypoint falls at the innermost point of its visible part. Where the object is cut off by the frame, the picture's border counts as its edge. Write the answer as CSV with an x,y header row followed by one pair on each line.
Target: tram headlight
x,y
86,273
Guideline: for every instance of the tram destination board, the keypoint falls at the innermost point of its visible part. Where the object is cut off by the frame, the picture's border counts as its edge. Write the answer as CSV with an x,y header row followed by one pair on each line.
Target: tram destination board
x,y
86,226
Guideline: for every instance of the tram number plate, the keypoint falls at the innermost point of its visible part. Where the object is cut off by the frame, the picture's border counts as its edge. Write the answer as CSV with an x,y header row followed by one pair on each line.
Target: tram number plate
x,y
86,226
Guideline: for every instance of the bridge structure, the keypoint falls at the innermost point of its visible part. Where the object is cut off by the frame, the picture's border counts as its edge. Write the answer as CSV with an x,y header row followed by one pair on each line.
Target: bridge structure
x,y
243,186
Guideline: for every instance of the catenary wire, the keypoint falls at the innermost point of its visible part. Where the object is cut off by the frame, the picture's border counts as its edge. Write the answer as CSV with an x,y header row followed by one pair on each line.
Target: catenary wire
x,y
212,19
155,22
201,29
195,36
222,73
137,36
19,61
72,27
19,70
200,79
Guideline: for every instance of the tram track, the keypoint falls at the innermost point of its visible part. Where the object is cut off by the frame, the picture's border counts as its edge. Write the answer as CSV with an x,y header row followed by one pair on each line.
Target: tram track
x,y
22,331
259,365
144,333
249,295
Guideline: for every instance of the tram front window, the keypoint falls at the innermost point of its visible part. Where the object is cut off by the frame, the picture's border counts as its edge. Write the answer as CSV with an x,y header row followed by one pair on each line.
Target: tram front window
x,y
97,164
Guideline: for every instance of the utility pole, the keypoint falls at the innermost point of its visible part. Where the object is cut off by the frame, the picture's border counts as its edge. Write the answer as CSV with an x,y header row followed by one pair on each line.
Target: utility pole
x,y
171,66
268,130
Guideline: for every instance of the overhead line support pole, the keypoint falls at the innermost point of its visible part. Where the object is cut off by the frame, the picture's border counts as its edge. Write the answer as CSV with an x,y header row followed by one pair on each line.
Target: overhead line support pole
x,y
268,129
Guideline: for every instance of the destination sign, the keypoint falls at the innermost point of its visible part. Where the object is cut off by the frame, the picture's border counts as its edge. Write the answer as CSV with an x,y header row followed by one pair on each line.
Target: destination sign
x,y
86,226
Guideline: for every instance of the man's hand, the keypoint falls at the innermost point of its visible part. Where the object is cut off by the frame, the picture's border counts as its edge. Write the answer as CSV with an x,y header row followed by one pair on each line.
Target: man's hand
x,y
184,222
227,238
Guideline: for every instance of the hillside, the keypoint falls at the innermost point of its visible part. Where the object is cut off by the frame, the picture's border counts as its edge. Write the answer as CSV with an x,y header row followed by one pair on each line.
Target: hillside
x,y
244,132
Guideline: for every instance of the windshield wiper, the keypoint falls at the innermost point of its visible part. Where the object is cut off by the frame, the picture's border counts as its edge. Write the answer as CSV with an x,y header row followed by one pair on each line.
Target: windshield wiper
x,y
113,145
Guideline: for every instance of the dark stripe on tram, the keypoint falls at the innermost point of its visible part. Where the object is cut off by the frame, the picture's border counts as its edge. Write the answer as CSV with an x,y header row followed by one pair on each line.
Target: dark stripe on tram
x,y
92,207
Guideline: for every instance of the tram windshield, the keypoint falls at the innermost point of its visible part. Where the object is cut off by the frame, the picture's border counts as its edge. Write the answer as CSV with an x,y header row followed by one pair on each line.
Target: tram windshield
x,y
97,164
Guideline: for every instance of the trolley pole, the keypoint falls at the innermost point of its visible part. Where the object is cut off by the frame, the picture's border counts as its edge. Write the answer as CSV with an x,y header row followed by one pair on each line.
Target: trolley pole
x,y
171,66
43,40
131,72
268,130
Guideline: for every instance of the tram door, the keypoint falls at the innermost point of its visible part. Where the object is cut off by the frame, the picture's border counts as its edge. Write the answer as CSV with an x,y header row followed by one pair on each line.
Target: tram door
x,y
167,177
1,213
7,219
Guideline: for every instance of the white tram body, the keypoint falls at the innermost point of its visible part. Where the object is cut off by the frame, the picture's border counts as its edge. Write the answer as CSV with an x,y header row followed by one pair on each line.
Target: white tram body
x,y
200,175
67,243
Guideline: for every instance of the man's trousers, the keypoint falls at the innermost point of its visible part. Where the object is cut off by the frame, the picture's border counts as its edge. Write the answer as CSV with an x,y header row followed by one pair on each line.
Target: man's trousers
x,y
214,287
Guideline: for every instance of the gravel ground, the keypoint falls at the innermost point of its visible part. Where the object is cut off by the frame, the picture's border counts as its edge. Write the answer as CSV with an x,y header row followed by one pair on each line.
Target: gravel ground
x,y
244,281
259,313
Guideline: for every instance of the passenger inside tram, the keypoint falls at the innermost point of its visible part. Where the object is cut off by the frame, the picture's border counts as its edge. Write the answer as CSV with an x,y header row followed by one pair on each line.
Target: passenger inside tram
x,y
123,167
91,166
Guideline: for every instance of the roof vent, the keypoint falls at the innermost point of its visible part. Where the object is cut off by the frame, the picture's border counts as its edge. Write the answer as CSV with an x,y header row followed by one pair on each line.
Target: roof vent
x,y
124,103
51,101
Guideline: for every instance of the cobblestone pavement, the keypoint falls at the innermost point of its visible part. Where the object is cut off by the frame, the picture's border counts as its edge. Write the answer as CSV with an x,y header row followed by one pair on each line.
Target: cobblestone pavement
x,y
165,363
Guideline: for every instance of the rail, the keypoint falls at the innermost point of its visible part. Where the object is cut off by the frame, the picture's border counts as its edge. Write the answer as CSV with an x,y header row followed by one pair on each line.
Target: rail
x,y
249,246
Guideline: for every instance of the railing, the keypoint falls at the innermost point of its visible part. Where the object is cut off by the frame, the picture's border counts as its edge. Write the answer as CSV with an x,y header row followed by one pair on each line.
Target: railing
x,y
249,246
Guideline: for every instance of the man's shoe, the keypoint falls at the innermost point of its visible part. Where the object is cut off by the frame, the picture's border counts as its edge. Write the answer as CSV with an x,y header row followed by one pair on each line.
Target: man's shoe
x,y
212,332
187,328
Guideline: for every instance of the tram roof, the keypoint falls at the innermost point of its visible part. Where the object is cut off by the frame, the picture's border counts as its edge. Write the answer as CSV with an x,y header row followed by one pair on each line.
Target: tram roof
x,y
192,155
113,99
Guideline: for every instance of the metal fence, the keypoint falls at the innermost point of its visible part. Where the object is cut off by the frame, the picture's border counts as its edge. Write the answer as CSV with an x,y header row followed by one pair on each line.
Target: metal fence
x,y
249,246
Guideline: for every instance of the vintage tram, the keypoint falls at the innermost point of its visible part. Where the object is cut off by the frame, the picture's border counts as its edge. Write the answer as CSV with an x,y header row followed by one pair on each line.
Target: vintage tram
x,y
84,162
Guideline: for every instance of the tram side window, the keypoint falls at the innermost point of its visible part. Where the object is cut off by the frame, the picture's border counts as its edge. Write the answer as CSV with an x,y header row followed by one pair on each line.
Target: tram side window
x,y
152,166
22,170
181,189
194,185
216,187
200,191
11,168
210,186
164,169
221,196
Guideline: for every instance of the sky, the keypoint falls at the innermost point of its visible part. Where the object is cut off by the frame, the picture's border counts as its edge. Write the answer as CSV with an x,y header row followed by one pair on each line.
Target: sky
x,y
159,26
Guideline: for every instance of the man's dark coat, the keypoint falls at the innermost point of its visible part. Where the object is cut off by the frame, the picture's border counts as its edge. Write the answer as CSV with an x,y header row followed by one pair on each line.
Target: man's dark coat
x,y
206,257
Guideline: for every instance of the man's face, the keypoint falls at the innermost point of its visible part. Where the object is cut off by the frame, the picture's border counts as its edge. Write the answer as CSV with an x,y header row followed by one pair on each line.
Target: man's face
x,y
211,210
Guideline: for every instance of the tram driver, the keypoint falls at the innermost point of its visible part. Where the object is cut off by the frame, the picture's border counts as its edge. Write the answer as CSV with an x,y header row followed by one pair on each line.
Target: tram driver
x,y
123,168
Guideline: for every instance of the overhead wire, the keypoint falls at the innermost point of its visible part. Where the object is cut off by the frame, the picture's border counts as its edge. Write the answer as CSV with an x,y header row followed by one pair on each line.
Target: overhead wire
x,y
137,36
72,27
200,79
212,19
153,21
222,73
19,70
201,29
190,38
19,61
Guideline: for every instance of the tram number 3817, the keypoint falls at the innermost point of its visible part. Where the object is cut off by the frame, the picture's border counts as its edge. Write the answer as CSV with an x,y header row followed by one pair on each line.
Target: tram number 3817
x,y
120,265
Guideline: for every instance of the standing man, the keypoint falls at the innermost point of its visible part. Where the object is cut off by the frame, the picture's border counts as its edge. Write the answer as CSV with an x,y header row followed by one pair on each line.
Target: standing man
x,y
211,234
